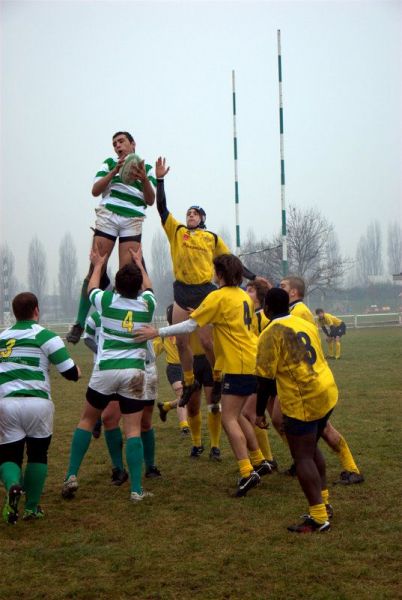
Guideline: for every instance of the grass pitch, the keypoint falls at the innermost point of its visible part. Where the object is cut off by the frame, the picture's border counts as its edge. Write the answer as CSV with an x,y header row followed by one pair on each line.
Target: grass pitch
x,y
193,540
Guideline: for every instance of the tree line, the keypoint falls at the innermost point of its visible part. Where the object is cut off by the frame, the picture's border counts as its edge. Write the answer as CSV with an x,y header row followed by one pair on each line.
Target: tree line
x,y
313,253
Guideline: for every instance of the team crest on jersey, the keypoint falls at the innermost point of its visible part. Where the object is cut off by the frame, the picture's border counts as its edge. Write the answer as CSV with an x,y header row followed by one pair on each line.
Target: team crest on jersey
x,y
186,236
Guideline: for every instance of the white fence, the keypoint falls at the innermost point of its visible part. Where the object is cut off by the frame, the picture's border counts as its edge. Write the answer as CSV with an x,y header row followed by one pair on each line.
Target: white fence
x,y
372,320
351,321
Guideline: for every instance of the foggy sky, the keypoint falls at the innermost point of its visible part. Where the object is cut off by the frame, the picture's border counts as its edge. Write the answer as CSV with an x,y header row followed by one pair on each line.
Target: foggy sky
x,y
73,73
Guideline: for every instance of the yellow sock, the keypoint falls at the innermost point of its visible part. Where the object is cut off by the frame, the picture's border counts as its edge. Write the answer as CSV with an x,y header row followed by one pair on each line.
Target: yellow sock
x,y
167,406
245,467
337,349
214,428
188,377
183,424
263,442
256,456
331,348
325,496
195,428
345,456
318,512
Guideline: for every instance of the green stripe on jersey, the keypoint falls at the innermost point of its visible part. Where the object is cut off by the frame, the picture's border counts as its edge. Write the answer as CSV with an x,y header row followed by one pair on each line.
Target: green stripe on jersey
x,y
120,345
122,363
30,361
119,314
59,356
34,393
123,212
134,200
24,374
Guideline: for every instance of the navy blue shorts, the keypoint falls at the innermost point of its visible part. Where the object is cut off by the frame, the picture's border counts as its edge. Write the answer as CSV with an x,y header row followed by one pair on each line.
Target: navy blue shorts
x,y
191,296
202,370
239,385
296,427
337,331
174,373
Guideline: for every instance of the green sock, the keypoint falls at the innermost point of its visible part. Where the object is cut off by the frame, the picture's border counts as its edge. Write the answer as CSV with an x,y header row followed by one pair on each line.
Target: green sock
x,y
84,305
114,441
148,442
135,458
79,446
34,482
10,474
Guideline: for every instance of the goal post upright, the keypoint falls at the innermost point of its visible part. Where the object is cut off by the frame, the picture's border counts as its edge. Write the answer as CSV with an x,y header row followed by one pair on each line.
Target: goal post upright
x,y
282,151
235,165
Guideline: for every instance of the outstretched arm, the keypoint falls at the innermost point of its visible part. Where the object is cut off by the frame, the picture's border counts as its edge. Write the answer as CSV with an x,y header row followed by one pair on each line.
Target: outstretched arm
x,y
101,184
138,172
97,261
161,170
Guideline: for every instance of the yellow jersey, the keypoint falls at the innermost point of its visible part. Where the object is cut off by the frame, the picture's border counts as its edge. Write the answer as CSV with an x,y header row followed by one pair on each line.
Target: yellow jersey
x,y
299,309
192,251
289,350
259,322
167,345
329,320
230,310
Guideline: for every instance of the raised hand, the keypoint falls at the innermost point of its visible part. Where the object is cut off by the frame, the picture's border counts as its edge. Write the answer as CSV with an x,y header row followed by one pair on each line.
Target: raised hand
x,y
160,168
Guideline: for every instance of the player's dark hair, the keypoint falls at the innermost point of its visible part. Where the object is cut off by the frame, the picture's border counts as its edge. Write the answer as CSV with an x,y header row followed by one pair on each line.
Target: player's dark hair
x,y
126,133
169,314
276,303
128,281
24,305
261,288
296,283
319,310
229,268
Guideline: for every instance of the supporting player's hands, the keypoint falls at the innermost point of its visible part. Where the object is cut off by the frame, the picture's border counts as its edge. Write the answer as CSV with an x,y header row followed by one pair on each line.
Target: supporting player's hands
x,y
136,256
261,422
145,333
160,168
96,258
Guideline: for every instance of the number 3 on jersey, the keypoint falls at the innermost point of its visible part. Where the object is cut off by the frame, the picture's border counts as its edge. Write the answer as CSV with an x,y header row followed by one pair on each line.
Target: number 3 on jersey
x,y
311,353
127,322
9,348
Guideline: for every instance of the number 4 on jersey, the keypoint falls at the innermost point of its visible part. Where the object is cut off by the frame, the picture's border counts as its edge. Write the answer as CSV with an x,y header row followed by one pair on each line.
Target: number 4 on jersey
x,y
127,322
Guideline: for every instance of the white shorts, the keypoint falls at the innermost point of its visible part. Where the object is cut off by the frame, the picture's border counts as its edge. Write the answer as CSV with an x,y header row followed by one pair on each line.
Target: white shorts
x,y
116,225
25,417
151,382
129,383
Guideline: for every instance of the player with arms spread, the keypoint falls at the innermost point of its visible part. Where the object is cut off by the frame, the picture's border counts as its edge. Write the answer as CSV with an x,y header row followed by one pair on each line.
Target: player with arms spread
x,y
229,309
120,214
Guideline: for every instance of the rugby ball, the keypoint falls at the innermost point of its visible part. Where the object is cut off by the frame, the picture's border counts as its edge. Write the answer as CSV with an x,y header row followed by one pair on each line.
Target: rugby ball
x,y
125,171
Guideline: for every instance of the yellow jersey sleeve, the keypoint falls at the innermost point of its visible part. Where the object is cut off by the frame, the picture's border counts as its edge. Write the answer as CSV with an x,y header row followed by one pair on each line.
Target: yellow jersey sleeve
x,y
333,320
172,353
259,322
220,247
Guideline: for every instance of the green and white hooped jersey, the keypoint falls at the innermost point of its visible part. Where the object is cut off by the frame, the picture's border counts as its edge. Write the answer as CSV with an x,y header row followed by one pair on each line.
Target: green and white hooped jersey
x,y
92,327
120,198
26,352
120,317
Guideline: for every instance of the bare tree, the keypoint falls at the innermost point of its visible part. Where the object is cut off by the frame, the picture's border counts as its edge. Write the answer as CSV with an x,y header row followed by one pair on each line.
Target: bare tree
x,y
394,248
67,275
37,270
8,281
313,251
369,253
161,273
